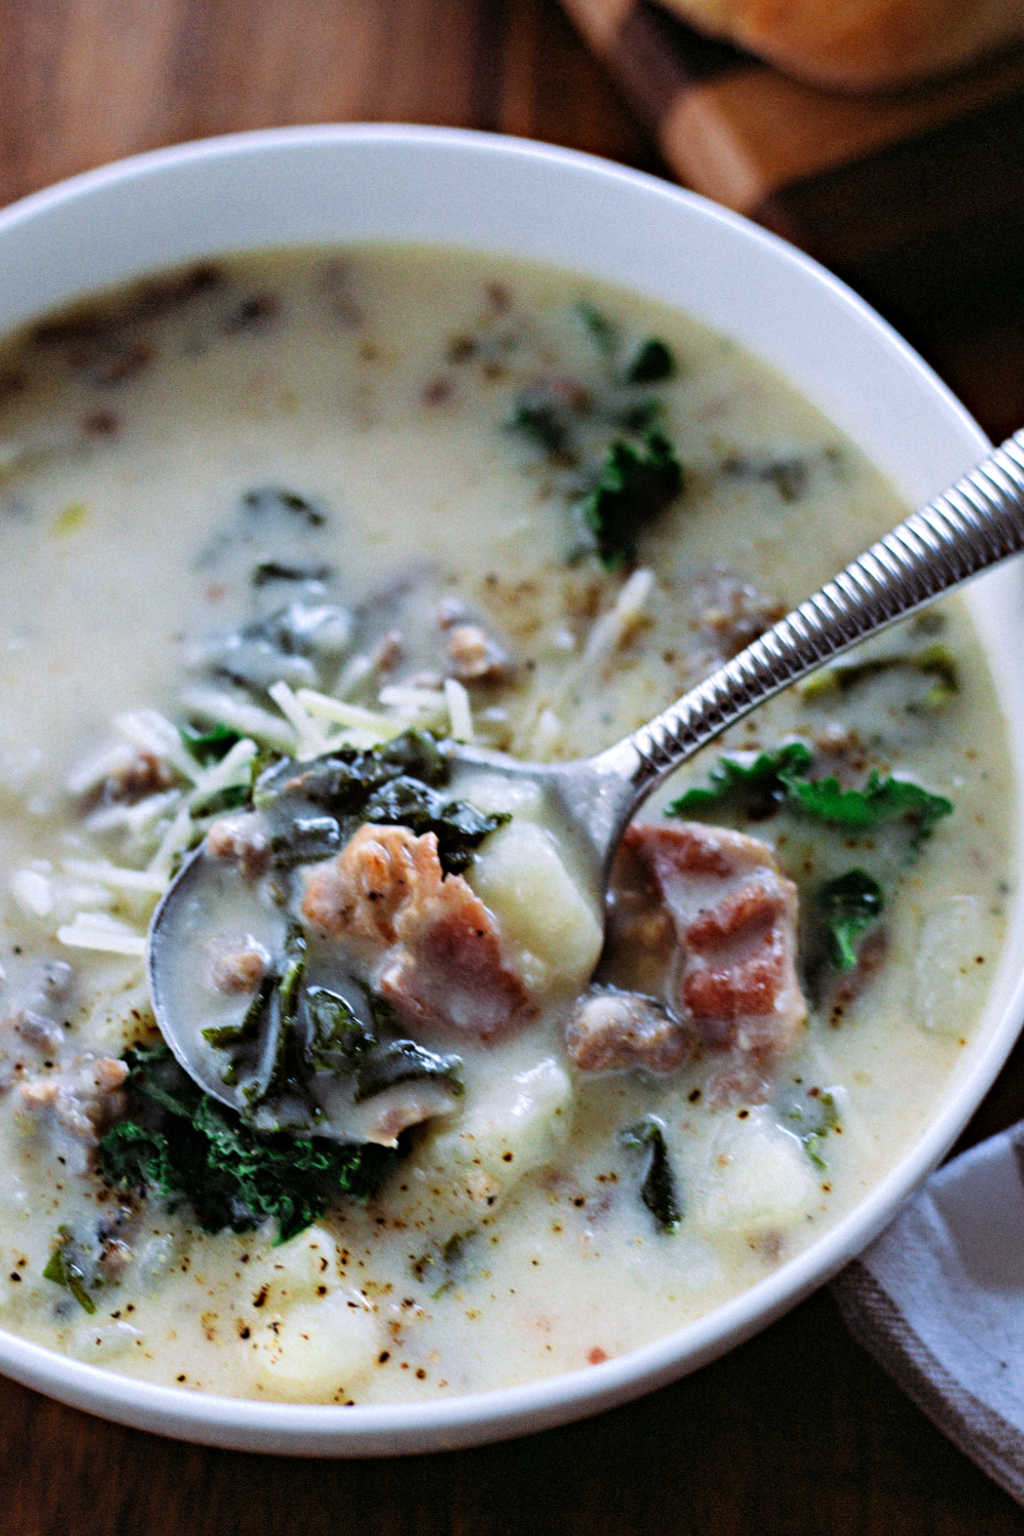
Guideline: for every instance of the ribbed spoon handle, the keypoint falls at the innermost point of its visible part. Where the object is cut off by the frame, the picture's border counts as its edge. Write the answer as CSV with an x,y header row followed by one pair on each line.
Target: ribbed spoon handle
x,y
975,524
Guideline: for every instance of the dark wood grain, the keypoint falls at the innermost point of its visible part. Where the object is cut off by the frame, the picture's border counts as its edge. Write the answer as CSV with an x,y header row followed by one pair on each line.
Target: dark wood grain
x,y
797,1432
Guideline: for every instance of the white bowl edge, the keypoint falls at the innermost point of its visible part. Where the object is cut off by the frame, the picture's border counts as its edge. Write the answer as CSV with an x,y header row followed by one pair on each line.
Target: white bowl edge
x,y
360,182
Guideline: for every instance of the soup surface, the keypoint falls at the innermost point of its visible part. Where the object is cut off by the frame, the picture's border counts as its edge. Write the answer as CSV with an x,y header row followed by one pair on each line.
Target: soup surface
x,y
343,506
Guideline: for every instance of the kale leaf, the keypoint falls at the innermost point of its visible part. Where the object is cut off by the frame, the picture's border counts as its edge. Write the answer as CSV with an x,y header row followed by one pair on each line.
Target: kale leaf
x,y
393,785
210,746
545,417
862,810
811,1116
66,1266
651,363
179,1143
781,778
849,905
633,486
458,826
658,1187
266,501
759,787
377,1058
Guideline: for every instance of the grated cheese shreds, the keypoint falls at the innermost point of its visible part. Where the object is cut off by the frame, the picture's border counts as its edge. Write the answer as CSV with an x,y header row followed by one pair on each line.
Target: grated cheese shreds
x,y
231,772
99,931
151,731
355,672
221,708
134,819
33,891
614,626
460,714
413,701
547,734
354,715
174,841
145,880
311,739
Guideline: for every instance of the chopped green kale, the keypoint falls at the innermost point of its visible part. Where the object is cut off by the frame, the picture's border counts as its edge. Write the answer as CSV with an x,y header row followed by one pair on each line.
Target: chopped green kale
x,y
787,473
272,500
268,571
781,778
458,826
604,333
393,785
658,1187
862,810
544,417
634,485
211,745
811,1115
849,905
759,787
935,662
66,1266
444,1264
651,363
180,1144
376,1058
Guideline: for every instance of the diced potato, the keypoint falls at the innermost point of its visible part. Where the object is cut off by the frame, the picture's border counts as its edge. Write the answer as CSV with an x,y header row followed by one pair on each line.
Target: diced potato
x,y
316,1349
757,1176
464,1168
552,926
294,1271
948,984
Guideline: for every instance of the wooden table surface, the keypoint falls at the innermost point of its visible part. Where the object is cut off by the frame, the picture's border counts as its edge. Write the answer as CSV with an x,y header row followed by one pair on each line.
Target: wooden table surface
x,y
798,1431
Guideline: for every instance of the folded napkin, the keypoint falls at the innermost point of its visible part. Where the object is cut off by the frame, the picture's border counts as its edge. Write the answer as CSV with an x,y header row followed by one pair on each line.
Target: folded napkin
x,y
938,1299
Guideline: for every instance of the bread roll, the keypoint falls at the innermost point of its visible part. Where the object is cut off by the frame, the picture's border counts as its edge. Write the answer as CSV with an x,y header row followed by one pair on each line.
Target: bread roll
x,y
860,44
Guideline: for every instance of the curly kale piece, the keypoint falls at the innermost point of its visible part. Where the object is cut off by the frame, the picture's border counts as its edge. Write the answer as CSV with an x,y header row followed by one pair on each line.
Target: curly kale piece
x,y
881,800
849,905
759,787
179,1143
634,485
782,778
395,785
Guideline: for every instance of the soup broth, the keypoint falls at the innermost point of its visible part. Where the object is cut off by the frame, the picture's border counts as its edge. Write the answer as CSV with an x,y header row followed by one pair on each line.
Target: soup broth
x,y
358,502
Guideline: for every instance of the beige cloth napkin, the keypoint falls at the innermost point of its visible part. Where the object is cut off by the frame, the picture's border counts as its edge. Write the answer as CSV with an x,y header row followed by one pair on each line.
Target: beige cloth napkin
x,y
938,1299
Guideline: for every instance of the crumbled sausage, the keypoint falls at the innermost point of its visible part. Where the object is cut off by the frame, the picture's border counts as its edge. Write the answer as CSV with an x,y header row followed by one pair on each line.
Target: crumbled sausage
x,y
239,969
610,1029
242,837
473,654
36,1012
83,1095
733,614
134,775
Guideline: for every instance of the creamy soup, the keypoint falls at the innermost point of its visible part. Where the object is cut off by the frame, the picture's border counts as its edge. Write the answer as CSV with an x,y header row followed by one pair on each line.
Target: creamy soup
x,y
277,530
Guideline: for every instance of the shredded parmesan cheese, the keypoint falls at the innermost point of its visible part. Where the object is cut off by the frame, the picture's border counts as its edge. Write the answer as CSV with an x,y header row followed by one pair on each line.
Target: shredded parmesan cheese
x,y
100,931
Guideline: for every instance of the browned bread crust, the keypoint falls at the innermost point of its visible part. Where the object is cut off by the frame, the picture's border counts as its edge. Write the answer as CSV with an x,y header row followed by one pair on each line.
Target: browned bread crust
x,y
861,44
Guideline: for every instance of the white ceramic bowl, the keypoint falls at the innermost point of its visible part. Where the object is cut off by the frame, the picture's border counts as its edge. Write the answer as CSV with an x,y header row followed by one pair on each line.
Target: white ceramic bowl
x,y
351,183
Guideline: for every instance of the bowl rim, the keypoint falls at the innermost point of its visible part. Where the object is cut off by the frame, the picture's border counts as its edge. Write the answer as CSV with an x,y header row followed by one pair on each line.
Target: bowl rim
x,y
332,1430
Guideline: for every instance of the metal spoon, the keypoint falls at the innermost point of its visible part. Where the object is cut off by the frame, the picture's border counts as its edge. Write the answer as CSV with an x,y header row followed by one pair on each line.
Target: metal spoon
x,y
976,524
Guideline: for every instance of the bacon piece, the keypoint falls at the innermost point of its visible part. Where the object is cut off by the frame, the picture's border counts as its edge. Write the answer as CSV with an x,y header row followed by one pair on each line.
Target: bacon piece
x,y
439,951
610,1029
734,915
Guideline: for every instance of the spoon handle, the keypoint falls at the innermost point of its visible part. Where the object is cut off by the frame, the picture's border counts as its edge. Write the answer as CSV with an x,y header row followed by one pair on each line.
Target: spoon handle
x,y
975,524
